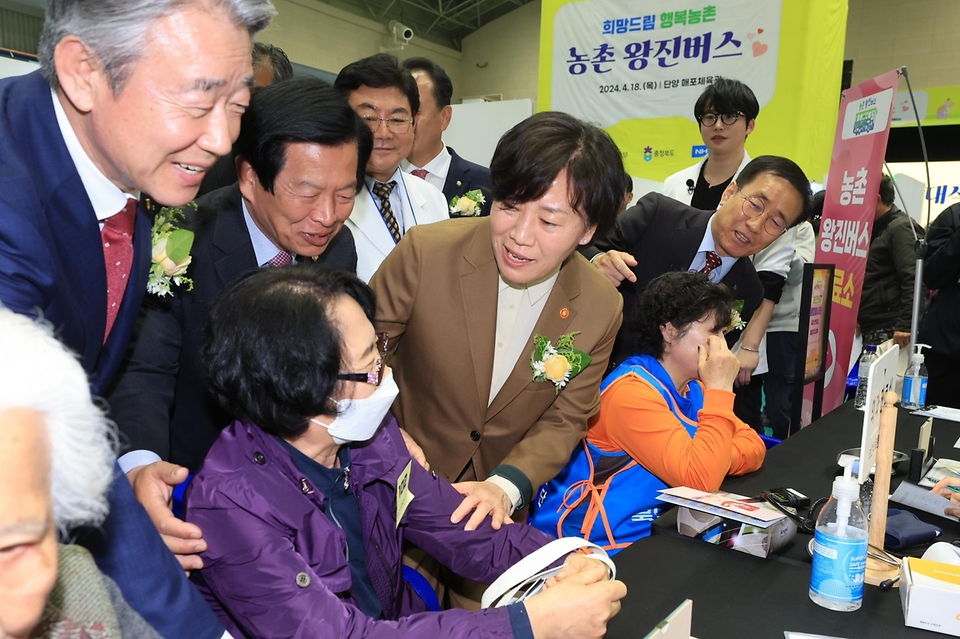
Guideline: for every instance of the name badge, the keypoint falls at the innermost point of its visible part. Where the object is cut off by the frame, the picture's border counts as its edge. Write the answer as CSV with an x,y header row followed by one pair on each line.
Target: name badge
x,y
404,496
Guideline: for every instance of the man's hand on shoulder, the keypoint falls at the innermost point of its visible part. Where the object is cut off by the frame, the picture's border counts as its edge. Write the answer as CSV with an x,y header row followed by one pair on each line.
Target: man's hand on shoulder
x,y
153,486
615,266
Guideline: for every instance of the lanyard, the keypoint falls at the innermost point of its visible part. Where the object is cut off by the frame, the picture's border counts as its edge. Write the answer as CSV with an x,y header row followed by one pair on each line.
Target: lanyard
x,y
400,223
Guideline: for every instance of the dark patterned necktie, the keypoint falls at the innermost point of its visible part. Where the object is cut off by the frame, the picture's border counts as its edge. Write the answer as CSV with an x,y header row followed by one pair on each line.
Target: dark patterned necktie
x,y
420,173
117,238
383,191
713,261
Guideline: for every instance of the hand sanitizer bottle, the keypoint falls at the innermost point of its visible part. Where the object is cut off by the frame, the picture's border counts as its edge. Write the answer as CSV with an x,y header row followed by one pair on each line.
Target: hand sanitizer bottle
x,y
840,548
915,381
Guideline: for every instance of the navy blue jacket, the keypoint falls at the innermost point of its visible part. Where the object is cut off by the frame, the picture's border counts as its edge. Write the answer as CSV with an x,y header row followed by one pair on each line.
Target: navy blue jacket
x,y
51,265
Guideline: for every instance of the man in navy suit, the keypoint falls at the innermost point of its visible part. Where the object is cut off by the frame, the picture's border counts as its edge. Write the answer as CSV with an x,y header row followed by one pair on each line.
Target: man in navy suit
x,y
659,234
133,96
430,159
302,152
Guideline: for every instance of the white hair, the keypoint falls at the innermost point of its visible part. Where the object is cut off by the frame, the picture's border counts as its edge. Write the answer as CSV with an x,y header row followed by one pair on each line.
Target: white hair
x,y
117,29
40,374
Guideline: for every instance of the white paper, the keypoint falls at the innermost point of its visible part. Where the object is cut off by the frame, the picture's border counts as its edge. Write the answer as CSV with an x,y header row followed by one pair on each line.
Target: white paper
x,y
922,499
941,412
942,469
805,635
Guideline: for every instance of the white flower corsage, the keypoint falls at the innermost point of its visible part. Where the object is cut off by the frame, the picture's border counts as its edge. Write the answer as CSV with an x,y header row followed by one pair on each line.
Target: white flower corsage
x,y
558,364
468,204
736,322
171,251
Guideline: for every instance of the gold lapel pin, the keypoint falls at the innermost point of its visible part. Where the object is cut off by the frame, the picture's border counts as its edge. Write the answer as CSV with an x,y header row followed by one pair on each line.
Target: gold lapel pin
x,y
564,313
459,183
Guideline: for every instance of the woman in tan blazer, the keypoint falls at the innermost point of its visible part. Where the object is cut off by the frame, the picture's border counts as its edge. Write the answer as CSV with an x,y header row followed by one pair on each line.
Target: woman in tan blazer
x,y
464,299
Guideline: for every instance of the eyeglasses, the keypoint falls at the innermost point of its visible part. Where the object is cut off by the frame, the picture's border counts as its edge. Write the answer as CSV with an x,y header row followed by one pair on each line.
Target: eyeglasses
x,y
375,376
752,208
709,119
398,126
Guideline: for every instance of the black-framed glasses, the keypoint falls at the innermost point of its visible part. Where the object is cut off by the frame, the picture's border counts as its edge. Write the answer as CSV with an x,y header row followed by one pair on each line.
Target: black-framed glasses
x,y
709,119
752,207
375,376
399,126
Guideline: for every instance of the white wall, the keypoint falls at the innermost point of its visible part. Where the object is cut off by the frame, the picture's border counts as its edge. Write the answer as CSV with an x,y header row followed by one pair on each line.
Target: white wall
x,y
324,37
921,34
509,47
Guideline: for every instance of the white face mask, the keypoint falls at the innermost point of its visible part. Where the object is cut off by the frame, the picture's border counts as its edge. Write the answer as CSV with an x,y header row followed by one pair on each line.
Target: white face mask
x,y
358,419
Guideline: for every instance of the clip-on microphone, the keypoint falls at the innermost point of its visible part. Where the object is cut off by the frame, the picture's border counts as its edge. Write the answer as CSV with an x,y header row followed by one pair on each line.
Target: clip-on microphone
x,y
690,186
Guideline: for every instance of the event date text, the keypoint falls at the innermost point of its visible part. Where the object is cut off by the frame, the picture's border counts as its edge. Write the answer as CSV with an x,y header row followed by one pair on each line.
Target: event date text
x,y
617,88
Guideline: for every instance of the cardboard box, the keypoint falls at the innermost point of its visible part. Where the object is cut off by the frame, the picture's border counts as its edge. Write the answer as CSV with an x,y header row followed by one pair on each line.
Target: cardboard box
x,y
725,531
930,595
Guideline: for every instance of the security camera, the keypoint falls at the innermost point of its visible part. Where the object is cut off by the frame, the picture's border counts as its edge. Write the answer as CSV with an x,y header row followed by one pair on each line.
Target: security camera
x,y
402,34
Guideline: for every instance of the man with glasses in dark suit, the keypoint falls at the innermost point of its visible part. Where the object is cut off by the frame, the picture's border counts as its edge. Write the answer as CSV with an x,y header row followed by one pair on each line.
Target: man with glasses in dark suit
x,y
660,234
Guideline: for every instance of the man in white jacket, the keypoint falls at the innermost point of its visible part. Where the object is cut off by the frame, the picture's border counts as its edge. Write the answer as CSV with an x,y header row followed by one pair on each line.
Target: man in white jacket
x,y
726,113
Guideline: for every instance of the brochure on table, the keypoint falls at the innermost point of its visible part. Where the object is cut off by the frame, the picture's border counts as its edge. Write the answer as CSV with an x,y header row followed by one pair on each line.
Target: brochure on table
x,y
732,506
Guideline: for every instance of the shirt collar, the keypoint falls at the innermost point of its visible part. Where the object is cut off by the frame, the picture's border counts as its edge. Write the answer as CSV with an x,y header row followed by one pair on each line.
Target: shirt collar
x,y
535,292
106,198
439,165
396,177
263,247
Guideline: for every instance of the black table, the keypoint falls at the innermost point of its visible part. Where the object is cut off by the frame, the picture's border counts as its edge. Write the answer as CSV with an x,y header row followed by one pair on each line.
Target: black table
x,y
807,462
738,595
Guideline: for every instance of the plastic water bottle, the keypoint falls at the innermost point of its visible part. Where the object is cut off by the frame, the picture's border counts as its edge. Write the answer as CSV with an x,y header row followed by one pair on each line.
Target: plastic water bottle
x,y
915,381
863,369
840,549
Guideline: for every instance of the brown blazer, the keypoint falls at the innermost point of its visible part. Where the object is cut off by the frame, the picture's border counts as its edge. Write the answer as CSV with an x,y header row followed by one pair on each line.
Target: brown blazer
x,y
437,298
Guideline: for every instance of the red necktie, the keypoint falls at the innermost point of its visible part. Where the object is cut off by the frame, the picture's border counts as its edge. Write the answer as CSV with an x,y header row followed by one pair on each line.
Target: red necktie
x,y
117,236
713,261
280,259
420,173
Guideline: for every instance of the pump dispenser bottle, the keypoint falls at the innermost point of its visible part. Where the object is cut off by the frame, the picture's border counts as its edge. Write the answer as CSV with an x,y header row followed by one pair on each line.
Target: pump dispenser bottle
x,y
840,548
915,381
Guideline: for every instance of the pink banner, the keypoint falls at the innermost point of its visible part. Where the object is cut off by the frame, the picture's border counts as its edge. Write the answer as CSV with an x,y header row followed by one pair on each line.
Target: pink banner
x,y
848,212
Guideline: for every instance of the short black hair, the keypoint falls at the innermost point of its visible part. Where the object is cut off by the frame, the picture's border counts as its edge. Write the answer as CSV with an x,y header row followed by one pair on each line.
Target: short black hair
x,y
782,168
887,193
379,72
726,95
271,352
627,183
529,157
302,109
679,298
279,62
442,85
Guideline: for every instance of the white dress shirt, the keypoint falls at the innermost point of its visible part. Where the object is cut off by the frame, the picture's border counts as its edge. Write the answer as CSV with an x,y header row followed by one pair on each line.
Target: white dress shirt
x,y
436,169
107,199
518,310
263,246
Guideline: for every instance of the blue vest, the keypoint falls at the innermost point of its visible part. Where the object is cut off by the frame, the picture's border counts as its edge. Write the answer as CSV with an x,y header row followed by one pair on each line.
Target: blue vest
x,y
609,498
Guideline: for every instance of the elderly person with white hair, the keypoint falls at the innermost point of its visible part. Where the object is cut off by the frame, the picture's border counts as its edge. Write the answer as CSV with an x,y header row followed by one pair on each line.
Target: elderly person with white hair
x,y
56,464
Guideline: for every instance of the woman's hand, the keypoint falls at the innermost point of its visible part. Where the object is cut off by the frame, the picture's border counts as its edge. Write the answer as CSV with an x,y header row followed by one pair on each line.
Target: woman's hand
x,y
943,488
718,367
578,606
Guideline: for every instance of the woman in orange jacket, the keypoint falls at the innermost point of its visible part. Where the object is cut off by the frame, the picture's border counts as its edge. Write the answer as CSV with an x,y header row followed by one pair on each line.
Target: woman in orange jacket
x,y
666,419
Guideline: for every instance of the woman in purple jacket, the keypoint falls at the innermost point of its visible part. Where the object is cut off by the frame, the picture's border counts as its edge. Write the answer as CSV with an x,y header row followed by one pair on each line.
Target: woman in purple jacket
x,y
306,500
